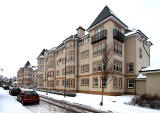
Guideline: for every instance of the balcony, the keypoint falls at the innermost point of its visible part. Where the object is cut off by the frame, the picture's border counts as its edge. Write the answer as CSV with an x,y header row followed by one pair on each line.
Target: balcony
x,y
98,37
118,35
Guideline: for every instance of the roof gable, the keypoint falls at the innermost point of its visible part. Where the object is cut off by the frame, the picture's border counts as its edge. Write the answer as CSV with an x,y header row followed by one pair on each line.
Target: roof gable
x,y
104,14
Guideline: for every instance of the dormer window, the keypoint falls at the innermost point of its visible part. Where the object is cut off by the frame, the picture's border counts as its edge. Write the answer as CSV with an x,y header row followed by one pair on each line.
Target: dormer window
x,y
99,30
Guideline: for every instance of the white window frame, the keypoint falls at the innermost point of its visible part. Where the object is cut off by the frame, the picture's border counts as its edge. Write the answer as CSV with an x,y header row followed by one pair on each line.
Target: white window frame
x,y
129,80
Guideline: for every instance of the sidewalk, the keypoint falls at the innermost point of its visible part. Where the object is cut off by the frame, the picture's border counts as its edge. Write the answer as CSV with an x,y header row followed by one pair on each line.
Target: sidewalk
x,y
8,104
111,103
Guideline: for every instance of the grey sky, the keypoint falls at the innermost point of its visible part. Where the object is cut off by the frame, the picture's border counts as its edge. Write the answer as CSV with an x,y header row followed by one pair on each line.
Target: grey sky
x,y
28,26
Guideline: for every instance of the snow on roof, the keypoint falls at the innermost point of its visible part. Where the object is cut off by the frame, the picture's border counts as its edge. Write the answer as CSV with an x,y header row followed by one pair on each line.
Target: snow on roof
x,y
141,76
130,33
151,68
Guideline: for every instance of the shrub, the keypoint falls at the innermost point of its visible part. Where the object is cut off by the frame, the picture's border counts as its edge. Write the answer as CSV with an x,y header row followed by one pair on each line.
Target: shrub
x,y
146,100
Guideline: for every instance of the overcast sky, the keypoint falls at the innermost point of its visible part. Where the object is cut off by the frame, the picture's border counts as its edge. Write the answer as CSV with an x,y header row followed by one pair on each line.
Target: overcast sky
x,y
28,26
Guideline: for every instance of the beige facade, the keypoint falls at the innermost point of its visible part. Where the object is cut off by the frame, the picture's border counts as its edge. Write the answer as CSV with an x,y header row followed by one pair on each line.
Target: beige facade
x,y
140,87
152,83
25,76
81,56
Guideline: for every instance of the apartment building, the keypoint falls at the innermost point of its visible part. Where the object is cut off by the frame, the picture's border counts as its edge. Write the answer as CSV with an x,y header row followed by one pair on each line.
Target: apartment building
x,y
26,76
80,58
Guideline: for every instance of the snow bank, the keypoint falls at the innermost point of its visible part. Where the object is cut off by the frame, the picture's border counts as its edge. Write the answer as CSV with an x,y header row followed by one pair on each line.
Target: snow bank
x,y
8,104
111,103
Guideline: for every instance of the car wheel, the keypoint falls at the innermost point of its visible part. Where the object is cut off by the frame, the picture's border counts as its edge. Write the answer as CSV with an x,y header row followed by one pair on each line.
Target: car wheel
x,y
38,102
23,103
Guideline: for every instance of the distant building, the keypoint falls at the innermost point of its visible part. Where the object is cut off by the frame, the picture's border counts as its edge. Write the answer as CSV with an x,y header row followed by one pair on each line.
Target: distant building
x,y
83,56
14,84
26,76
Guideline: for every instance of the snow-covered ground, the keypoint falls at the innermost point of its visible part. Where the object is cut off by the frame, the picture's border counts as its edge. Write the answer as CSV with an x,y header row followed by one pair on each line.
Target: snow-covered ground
x,y
112,103
9,104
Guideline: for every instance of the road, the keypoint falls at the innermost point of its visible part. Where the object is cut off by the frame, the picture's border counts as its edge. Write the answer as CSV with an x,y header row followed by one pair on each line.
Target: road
x,y
44,107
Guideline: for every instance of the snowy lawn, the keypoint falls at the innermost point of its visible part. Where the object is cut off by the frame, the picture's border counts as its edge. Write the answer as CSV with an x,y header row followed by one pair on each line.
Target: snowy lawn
x,y
8,104
112,103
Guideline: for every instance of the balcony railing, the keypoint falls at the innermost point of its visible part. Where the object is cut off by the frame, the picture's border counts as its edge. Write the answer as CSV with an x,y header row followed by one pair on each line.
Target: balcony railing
x,y
99,36
118,35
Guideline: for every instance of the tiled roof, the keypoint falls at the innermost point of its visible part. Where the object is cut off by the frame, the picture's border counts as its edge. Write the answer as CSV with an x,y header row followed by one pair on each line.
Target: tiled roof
x,y
105,13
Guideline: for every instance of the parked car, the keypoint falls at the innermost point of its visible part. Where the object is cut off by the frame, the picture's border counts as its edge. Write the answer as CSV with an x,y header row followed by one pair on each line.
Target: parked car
x,y
14,91
27,96
6,87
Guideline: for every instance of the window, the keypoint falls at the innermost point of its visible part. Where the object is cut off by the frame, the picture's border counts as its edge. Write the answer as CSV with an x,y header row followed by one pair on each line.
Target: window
x,y
117,28
130,68
85,54
67,83
67,45
99,66
130,83
99,30
118,48
41,84
71,70
82,69
95,82
67,70
71,44
71,83
97,50
57,82
103,47
41,68
85,68
71,56
94,67
85,82
120,83
85,40
41,75
117,66
94,50
41,61
140,53
115,82
67,57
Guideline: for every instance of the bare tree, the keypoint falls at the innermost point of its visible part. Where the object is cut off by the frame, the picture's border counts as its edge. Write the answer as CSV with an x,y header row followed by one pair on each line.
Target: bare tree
x,y
107,67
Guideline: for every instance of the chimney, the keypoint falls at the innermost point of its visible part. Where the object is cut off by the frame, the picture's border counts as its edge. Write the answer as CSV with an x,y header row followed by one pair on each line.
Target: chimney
x,y
80,31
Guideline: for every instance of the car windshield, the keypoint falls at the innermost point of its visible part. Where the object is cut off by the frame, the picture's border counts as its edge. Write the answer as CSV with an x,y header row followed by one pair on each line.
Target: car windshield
x,y
31,93
16,88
